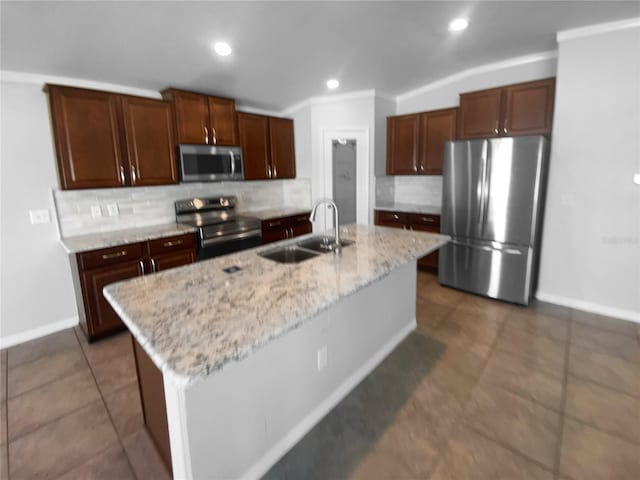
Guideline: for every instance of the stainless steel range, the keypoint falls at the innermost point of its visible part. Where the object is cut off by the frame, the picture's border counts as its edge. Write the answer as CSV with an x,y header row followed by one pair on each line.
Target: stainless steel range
x,y
220,230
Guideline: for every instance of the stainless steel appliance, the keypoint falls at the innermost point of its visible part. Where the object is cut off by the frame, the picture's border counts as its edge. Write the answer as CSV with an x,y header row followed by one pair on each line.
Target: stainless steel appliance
x,y
492,202
220,230
209,163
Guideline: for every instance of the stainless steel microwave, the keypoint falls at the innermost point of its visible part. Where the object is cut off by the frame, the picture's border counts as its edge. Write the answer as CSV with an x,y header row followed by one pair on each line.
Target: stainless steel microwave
x,y
210,163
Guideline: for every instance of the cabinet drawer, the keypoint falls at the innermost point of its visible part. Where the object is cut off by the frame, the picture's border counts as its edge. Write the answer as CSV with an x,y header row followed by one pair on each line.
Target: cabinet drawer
x,y
275,223
170,244
426,220
391,217
299,219
110,256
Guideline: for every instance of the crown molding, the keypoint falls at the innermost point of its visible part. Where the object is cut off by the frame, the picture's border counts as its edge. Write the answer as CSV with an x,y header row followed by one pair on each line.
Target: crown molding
x,y
341,97
490,67
258,111
598,29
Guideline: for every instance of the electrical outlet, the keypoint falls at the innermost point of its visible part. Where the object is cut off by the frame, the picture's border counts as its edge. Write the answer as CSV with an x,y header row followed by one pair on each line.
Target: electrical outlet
x,y
39,216
112,210
96,211
322,358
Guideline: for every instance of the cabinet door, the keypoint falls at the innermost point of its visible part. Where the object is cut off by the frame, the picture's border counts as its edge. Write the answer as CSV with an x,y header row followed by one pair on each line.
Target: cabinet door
x,y
529,108
283,157
192,117
87,137
402,144
428,224
224,126
101,318
254,140
300,225
384,218
436,128
172,260
275,229
150,146
479,114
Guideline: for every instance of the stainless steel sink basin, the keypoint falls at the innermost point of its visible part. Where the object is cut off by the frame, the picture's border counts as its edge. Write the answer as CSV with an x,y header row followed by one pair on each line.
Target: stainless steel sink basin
x,y
289,254
303,250
321,244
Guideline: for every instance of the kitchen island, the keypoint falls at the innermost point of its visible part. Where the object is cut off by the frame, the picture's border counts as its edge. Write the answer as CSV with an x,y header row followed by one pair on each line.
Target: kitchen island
x,y
251,360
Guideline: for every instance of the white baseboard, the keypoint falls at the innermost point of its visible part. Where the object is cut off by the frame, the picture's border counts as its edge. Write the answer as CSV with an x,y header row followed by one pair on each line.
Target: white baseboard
x,y
301,429
621,313
16,338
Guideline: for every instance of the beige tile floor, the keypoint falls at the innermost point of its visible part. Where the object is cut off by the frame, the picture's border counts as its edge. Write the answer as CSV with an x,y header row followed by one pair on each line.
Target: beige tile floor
x,y
482,390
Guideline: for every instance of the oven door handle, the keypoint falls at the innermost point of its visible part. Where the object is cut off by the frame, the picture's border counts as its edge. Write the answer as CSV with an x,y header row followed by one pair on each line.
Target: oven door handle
x,y
228,238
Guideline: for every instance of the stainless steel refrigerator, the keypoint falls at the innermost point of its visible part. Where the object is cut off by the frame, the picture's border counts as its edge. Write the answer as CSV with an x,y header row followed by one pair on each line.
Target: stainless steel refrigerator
x,y
492,203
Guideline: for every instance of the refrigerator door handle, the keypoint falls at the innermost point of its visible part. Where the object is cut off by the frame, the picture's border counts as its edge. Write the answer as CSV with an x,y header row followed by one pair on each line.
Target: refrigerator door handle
x,y
483,184
486,190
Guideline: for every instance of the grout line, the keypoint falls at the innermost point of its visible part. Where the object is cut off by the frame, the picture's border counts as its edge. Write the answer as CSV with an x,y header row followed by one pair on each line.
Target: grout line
x,y
601,430
104,402
563,402
456,423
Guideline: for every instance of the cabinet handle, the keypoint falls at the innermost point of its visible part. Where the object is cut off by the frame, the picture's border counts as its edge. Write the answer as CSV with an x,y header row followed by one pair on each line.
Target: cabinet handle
x,y
275,172
107,256
291,230
504,129
411,227
415,167
154,266
274,224
122,179
428,219
171,243
495,130
215,136
133,174
269,171
142,266
206,134
396,217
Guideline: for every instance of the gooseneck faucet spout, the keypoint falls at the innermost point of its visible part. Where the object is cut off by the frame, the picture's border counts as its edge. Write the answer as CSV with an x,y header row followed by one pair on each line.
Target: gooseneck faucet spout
x,y
337,246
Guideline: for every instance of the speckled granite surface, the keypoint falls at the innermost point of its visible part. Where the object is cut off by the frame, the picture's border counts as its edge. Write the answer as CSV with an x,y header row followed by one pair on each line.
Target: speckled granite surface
x,y
275,212
410,208
193,320
83,243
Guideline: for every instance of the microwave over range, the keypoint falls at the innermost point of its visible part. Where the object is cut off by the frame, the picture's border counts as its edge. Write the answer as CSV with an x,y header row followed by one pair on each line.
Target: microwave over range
x,y
210,163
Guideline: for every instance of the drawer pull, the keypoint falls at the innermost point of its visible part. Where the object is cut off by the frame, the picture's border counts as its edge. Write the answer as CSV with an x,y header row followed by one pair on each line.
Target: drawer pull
x,y
171,243
396,217
274,224
107,256
428,219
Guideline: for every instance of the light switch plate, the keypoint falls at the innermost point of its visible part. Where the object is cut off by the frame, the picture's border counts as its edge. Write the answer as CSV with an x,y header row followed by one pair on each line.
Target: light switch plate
x,y
39,216
96,211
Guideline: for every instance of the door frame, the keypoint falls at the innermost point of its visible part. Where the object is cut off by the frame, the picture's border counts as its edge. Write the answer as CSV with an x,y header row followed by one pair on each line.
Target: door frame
x,y
363,167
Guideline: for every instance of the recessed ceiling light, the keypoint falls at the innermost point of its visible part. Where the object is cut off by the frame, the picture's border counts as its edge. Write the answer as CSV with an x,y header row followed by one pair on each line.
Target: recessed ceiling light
x,y
333,84
458,24
222,48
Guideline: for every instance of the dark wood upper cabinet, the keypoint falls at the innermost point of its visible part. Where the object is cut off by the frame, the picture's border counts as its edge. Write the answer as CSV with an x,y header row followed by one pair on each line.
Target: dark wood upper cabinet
x,y
480,113
222,117
254,140
283,156
436,128
529,108
415,143
267,145
403,133
149,137
520,109
203,119
87,137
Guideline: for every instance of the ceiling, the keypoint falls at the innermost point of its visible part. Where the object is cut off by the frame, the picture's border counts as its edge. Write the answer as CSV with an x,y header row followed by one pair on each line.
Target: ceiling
x,y
283,52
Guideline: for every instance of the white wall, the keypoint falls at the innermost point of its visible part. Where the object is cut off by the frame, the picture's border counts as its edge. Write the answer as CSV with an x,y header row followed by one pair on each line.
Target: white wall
x,y
591,240
445,93
37,291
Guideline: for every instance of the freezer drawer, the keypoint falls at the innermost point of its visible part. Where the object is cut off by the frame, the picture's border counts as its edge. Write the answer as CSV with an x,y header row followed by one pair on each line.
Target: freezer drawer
x,y
494,271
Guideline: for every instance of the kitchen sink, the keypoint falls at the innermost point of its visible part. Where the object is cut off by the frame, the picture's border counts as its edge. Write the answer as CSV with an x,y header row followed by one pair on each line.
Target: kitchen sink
x,y
289,254
303,250
321,244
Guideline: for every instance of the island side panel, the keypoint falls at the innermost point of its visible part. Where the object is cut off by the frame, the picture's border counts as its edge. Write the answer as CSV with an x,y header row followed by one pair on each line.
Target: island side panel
x,y
239,421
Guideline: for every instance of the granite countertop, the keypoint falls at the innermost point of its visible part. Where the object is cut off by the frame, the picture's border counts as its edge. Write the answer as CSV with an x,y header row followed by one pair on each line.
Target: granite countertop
x,y
93,241
195,319
410,208
275,212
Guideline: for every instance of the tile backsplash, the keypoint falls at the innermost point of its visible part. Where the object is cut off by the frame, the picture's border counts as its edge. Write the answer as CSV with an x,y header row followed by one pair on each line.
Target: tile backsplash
x,y
144,206
411,189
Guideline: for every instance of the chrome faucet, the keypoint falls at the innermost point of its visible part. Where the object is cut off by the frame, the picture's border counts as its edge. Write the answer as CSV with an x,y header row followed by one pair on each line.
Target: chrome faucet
x,y
337,246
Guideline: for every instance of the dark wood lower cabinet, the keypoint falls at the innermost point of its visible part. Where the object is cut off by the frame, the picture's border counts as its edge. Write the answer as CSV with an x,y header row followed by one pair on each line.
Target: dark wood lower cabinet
x,y
413,221
154,407
275,229
173,260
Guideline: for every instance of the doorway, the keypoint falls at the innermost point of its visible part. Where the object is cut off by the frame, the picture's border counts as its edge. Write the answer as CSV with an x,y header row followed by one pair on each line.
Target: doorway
x,y
344,178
